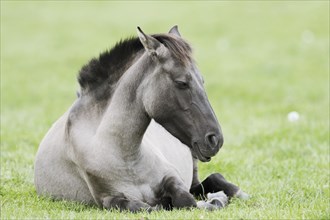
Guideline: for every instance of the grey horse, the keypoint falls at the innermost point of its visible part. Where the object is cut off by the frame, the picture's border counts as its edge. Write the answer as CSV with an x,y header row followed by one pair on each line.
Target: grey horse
x,y
132,139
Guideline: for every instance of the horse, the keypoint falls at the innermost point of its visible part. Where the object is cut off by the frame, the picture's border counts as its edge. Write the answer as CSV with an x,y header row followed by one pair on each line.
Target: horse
x,y
133,137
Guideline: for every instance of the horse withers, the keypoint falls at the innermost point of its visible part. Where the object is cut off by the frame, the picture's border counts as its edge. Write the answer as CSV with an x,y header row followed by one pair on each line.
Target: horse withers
x,y
134,135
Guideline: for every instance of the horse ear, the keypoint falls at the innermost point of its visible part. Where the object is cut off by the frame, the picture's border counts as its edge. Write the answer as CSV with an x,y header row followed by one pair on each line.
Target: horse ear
x,y
175,31
149,43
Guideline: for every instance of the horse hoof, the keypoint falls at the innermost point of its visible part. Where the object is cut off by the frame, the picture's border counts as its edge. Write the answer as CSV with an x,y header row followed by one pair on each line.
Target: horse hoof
x,y
242,195
218,203
205,205
219,199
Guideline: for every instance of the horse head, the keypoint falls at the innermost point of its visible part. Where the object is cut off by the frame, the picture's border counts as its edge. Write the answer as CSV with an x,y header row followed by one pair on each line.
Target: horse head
x,y
174,94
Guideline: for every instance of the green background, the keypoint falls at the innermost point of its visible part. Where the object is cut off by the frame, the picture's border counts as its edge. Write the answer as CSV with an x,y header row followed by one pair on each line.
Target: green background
x,y
260,61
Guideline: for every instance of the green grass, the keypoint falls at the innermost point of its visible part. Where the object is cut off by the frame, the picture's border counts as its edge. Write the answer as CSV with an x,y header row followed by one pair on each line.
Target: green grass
x,y
260,61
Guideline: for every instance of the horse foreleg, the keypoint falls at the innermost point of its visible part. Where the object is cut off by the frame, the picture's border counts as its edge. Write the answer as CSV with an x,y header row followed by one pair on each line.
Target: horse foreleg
x,y
215,183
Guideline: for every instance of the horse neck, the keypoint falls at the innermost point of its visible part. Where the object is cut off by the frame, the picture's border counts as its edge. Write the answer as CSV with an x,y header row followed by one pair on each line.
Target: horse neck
x,y
125,120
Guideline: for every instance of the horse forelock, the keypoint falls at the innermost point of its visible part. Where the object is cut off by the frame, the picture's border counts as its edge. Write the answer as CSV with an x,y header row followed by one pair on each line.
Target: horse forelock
x,y
100,75
179,48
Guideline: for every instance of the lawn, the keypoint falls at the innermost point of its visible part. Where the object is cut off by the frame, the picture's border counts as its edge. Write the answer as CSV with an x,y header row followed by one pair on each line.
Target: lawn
x,y
260,61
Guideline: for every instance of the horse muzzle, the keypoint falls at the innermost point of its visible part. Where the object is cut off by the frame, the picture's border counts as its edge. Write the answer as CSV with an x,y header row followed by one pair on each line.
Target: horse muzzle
x,y
208,148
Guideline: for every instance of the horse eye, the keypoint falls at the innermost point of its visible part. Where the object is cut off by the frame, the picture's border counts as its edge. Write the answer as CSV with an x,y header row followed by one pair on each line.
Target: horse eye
x,y
181,84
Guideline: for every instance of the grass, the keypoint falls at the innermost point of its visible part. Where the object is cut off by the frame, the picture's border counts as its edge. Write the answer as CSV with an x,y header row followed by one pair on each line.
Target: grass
x,y
260,61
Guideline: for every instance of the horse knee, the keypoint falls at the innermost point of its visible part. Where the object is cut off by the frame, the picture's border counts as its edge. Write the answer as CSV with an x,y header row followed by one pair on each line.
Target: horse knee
x,y
172,191
184,200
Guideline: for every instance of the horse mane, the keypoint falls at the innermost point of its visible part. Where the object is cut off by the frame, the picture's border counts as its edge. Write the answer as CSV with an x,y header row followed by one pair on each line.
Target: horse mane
x,y
100,75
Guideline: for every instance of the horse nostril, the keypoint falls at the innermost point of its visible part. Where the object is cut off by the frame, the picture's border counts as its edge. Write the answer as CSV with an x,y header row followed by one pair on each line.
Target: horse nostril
x,y
212,140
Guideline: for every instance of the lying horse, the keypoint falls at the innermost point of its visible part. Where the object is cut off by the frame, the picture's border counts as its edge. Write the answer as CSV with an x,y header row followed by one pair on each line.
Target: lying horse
x,y
134,135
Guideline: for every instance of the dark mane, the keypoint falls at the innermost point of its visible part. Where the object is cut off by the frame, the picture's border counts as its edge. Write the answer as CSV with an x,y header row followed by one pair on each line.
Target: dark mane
x,y
101,74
